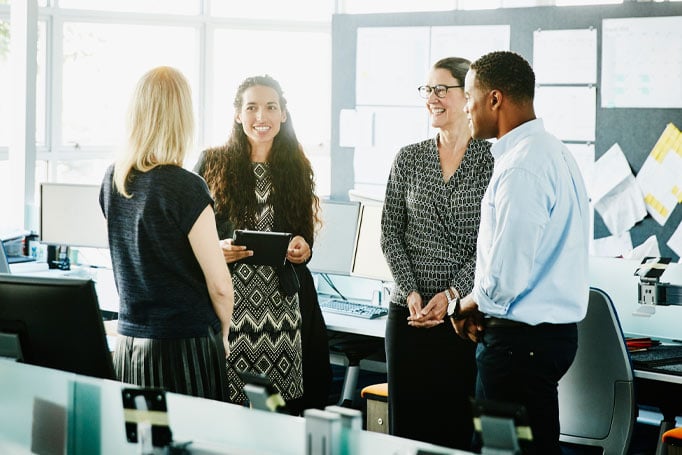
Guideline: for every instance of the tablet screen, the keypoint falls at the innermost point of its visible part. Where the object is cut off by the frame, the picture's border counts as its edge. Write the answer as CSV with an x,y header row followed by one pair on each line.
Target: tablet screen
x,y
269,248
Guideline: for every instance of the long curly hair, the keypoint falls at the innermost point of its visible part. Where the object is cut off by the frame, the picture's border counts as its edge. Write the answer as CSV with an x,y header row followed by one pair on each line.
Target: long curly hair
x,y
229,174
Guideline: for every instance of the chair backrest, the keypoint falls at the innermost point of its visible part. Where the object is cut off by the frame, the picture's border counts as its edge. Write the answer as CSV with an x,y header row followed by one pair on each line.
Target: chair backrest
x,y
596,396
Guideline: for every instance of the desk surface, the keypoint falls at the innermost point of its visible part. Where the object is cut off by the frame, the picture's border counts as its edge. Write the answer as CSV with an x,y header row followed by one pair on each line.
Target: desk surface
x,y
108,298
95,408
377,328
358,326
657,376
659,363
107,295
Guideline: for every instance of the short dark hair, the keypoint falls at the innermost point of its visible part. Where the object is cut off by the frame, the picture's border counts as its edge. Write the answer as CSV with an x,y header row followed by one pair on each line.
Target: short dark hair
x,y
508,72
457,67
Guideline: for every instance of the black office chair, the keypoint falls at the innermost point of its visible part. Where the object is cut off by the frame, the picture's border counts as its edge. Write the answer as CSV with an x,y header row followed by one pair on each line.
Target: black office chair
x,y
354,349
597,404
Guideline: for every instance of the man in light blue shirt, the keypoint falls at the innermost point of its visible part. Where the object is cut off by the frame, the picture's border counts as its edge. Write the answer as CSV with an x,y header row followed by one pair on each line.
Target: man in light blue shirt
x,y
531,283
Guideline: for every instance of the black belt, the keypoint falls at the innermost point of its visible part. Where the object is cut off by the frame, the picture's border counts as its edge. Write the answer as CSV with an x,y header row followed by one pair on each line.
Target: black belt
x,y
500,322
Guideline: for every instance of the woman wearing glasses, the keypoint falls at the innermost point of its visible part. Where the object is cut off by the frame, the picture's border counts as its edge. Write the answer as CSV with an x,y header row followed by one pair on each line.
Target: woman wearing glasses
x,y
429,227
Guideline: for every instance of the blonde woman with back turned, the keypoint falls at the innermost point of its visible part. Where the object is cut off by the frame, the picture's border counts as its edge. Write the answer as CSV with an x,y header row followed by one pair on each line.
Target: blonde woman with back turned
x,y
176,296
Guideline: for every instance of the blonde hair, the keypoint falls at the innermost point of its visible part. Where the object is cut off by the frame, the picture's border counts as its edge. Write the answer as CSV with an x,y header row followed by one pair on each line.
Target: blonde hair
x,y
160,125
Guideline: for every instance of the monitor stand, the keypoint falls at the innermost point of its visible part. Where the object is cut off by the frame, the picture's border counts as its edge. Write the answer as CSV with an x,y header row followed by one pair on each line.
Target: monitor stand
x,y
58,257
10,346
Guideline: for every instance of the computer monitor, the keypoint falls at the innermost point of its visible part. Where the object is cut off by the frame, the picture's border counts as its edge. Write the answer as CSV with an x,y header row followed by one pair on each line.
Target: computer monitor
x,y
335,243
369,259
54,323
70,215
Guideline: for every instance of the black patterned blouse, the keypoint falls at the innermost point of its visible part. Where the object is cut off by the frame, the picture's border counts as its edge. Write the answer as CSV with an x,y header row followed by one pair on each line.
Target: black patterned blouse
x,y
429,226
265,336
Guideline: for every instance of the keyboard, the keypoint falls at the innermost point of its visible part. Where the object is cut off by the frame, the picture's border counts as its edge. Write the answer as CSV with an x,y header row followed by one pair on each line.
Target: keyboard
x,y
20,259
359,310
664,358
78,273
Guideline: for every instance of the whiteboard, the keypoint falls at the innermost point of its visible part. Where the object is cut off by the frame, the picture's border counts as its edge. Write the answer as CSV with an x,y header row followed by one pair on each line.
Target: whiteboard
x,y
577,63
468,41
642,62
391,64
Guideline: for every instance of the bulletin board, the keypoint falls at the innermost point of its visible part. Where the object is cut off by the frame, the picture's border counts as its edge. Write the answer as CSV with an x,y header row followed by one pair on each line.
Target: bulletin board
x,y
621,115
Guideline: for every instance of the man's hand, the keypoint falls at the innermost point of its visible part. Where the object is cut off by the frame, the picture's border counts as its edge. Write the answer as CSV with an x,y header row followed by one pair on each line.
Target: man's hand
x,y
471,325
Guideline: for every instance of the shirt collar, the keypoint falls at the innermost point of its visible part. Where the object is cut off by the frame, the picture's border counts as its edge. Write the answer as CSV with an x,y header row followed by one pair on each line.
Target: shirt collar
x,y
510,139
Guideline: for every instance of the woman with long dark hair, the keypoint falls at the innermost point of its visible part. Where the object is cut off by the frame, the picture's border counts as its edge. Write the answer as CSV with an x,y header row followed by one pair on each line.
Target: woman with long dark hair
x,y
261,180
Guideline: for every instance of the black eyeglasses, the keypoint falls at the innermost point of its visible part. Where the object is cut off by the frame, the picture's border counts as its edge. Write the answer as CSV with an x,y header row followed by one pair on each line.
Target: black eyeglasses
x,y
439,90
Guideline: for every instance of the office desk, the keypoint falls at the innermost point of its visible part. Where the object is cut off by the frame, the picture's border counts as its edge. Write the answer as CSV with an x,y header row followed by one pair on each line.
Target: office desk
x,y
107,295
41,406
658,388
659,377
375,328
662,392
355,325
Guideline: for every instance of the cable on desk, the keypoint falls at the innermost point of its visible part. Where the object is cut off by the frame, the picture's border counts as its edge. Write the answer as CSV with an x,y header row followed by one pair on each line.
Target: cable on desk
x,y
331,285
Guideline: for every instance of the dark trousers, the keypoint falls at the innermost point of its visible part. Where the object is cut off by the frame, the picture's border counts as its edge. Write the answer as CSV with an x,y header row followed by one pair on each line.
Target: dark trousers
x,y
431,378
523,365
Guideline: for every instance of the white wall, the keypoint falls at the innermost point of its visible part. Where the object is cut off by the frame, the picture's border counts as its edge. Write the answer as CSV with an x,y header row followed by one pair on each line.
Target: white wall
x,y
616,277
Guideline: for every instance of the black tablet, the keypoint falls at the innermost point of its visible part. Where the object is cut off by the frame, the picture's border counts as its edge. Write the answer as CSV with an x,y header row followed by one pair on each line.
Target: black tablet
x,y
269,248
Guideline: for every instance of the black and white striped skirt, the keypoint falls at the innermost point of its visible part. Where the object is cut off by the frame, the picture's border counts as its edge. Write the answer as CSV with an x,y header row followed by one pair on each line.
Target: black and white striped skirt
x,y
190,366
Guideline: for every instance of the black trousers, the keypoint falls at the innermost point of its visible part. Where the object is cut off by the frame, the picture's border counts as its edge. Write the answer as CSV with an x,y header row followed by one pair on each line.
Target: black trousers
x,y
523,365
431,373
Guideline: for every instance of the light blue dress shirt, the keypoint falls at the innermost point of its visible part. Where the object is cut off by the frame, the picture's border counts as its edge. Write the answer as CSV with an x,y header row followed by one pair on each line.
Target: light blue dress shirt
x,y
532,250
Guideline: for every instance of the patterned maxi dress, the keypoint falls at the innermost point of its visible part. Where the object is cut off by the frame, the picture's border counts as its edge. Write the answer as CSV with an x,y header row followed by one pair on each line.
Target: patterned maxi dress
x,y
266,325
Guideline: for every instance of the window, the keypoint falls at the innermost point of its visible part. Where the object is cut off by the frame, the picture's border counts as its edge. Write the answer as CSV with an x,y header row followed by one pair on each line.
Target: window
x,y
100,73
301,63
5,78
586,2
298,10
391,6
478,4
41,86
6,85
5,192
89,60
137,6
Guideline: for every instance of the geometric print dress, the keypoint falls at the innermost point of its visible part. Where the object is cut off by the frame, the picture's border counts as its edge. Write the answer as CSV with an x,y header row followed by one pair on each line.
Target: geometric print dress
x,y
265,336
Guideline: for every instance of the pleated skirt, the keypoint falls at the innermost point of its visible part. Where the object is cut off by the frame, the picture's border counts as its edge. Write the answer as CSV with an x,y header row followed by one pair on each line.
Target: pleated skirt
x,y
190,366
